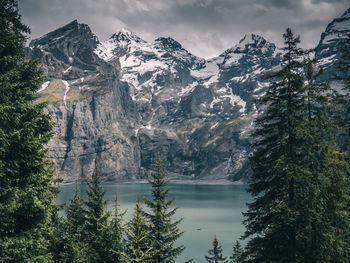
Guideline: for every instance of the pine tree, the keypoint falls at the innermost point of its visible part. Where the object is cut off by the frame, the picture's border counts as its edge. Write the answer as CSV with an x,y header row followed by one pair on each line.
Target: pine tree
x,y
75,248
26,195
58,238
323,166
96,227
76,214
299,183
138,243
344,66
116,233
237,254
335,195
272,216
57,226
215,254
164,231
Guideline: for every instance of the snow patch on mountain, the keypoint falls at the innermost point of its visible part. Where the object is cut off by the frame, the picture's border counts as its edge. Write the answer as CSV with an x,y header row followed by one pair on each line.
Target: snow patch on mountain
x,y
209,71
105,50
236,100
66,84
44,86
326,60
67,70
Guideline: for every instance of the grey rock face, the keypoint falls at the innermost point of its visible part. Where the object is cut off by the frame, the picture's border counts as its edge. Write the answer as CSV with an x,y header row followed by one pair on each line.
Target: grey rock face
x,y
120,102
328,51
92,109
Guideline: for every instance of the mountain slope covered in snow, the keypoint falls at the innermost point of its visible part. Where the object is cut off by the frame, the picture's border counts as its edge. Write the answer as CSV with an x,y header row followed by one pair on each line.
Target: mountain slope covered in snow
x,y
121,101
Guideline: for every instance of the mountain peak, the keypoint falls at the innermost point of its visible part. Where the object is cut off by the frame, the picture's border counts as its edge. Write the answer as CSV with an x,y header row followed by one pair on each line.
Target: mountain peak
x,y
346,14
168,43
249,40
252,44
125,36
338,28
73,23
72,30
328,49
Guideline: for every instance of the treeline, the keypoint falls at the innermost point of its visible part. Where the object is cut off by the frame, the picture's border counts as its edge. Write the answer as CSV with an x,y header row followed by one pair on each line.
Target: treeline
x,y
90,233
300,166
300,175
300,180
31,229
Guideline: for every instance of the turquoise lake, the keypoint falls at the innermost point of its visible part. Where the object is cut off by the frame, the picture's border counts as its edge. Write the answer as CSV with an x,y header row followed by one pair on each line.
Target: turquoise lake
x,y
207,210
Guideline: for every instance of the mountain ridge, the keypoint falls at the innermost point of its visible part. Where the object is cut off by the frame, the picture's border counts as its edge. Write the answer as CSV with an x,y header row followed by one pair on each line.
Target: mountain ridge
x,y
121,101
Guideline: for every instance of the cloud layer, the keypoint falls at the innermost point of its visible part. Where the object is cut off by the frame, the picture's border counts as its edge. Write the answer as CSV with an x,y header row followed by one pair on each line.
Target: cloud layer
x,y
204,27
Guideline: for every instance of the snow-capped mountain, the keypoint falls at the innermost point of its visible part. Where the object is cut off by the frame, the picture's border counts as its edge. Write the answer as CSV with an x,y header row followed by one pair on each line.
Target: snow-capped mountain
x,y
121,101
328,51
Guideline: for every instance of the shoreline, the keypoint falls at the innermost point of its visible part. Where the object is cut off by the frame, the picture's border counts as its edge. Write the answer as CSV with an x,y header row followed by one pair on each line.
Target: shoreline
x,y
175,181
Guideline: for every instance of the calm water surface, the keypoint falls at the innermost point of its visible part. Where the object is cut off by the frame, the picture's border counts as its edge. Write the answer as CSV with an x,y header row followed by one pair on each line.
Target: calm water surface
x,y
207,210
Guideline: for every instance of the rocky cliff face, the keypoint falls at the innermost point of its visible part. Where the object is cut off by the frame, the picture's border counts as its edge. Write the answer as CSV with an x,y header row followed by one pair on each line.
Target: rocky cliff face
x,y
328,51
120,102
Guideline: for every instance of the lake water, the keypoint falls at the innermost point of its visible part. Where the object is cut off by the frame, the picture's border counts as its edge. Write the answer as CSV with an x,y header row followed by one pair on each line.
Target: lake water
x,y
207,210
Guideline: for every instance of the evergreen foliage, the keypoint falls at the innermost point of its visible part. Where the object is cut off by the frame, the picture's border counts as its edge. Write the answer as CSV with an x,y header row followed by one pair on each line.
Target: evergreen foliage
x,y
75,249
300,178
138,243
58,239
215,254
345,68
296,164
76,214
164,231
100,241
96,228
271,218
324,172
116,233
237,254
26,195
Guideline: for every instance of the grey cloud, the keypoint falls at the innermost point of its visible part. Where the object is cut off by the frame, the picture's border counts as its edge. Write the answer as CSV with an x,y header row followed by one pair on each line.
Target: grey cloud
x,y
346,2
204,27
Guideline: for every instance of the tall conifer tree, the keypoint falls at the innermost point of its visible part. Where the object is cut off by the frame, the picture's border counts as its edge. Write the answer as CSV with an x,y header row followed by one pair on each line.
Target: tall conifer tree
x,y
76,214
116,233
139,247
26,197
299,183
324,165
237,254
215,254
76,249
345,68
271,218
96,228
164,230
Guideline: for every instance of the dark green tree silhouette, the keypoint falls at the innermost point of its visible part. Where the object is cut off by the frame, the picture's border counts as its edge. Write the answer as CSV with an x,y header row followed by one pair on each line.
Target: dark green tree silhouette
x,y
271,217
237,254
324,171
116,233
296,163
96,228
139,247
344,66
164,230
26,194
76,249
58,237
215,254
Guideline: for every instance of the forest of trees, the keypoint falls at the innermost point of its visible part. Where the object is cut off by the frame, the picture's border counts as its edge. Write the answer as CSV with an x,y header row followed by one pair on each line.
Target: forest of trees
x,y
300,175
90,233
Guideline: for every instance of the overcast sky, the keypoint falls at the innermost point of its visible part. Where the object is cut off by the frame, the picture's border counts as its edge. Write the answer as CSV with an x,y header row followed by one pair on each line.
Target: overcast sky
x,y
204,27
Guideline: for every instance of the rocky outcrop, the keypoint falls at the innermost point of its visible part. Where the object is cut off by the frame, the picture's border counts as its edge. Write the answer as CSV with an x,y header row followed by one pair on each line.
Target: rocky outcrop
x,y
328,51
120,102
